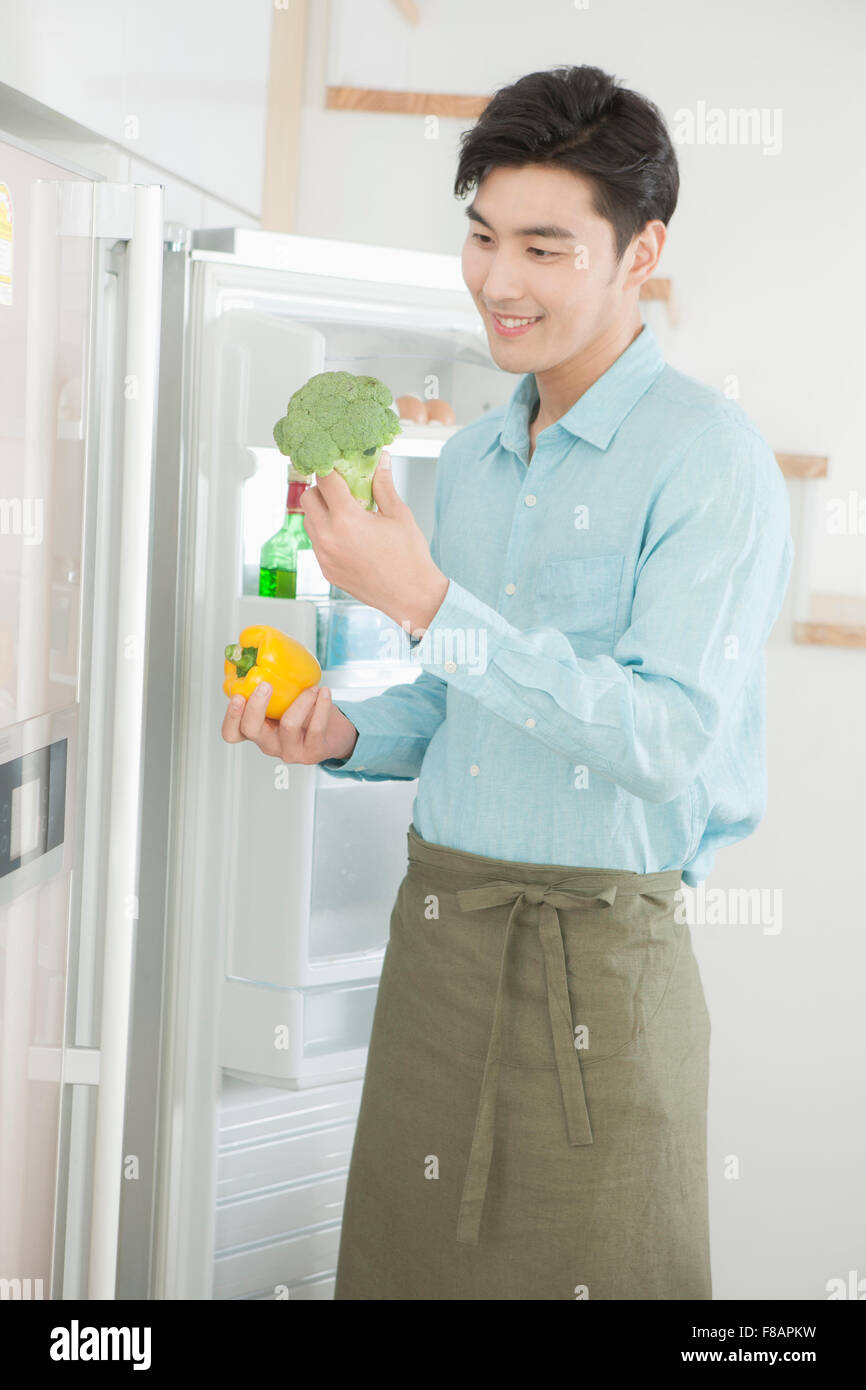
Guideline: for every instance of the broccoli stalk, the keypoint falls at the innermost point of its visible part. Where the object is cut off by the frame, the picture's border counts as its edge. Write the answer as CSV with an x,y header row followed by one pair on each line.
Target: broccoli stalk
x,y
358,470
338,420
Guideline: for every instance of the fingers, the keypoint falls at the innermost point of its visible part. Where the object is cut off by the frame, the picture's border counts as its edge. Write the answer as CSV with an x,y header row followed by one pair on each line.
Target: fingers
x,y
314,504
302,727
314,742
253,715
231,726
299,737
248,721
331,490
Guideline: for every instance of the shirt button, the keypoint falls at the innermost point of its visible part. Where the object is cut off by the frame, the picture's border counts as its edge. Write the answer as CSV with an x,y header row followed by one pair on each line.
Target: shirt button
x,y
530,723
530,500
475,769
450,666
509,588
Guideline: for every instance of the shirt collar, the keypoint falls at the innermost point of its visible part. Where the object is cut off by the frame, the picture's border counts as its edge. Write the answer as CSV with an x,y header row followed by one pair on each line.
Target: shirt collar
x,y
599,412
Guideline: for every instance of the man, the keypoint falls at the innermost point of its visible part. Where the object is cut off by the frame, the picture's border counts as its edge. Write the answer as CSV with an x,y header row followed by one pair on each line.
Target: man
x,y
610,552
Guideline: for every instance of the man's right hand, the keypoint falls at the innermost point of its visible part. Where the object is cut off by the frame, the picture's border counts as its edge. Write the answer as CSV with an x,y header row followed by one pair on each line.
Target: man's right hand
x,y
311,729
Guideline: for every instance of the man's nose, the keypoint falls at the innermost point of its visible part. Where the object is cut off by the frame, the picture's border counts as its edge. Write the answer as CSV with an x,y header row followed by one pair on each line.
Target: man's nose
x,y
502,285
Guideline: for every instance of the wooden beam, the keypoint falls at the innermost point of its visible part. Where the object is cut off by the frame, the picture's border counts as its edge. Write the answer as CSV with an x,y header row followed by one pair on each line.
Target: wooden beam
x,y
283,131
406,103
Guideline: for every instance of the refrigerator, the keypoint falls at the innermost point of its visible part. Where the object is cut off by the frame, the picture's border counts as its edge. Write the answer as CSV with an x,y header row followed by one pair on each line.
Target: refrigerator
x,y
191,933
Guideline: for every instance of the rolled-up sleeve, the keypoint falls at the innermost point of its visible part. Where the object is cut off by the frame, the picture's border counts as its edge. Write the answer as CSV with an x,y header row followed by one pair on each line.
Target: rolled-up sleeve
x,y
394,729
709,583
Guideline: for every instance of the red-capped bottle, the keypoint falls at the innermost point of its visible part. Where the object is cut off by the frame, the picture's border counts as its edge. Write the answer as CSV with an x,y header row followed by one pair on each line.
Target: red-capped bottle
x,y
281,554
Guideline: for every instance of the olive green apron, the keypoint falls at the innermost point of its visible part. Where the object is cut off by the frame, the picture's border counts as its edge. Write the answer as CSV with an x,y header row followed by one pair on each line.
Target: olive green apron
x,y
534,1113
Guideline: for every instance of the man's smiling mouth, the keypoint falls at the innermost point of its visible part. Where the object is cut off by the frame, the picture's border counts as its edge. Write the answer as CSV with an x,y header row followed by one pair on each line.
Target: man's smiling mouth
x,y
510,324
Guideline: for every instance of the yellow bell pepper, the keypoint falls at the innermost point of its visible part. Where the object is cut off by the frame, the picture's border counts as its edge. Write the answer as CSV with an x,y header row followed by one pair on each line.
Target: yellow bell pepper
x,y
266,654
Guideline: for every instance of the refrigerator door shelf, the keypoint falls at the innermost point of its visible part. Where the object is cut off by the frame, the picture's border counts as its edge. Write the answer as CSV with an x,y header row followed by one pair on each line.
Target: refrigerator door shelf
x,y
328,853
329,862
359,861
295,1037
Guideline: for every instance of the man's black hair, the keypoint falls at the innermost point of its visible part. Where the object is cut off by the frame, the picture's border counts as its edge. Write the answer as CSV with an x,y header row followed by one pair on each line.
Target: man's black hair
x,y
580,118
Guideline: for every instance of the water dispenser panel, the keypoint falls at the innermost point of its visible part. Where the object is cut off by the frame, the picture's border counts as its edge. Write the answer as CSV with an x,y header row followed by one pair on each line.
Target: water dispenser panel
x,y
32,805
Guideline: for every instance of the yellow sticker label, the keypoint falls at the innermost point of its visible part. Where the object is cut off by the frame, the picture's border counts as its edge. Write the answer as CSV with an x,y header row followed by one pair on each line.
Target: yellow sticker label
x,y
5,245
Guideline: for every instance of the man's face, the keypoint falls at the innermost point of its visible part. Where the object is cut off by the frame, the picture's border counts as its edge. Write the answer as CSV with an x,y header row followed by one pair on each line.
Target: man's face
x,y
569,281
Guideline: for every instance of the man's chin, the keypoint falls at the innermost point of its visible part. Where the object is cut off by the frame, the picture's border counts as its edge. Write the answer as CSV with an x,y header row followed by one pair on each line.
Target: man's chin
x,y
513,361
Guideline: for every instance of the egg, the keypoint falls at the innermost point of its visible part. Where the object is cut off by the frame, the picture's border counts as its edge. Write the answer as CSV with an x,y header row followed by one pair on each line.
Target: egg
x,y
411,408
440,413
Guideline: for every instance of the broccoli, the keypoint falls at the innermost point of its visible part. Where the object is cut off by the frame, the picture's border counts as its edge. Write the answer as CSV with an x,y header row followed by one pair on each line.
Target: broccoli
x,y
340,421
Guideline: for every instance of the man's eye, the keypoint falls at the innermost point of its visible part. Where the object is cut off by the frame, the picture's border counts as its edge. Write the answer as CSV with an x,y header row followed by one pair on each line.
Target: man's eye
x,y
481,236
542,254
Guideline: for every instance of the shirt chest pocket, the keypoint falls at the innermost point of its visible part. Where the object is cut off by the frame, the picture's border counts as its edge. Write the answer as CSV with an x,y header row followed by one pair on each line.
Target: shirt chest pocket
x,y
580,597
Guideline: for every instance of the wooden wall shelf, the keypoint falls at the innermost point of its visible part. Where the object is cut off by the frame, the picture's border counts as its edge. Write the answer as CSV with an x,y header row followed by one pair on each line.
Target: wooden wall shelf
x,y
835,620
657,287
803,465
820,620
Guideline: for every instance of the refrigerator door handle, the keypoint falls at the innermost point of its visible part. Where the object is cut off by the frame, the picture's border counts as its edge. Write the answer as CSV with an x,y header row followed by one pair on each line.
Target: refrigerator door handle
x,y
143,318
71,1066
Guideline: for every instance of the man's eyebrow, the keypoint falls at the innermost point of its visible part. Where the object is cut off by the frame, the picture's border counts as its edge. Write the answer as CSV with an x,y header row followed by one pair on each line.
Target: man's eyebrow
x,y
557,233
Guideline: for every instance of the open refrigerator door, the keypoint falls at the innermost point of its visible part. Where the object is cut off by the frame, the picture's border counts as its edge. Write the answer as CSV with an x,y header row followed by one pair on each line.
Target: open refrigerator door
x,y
283,878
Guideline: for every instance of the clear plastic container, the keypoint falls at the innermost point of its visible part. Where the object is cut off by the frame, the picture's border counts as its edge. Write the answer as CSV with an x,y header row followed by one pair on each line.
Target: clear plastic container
x,y
357,635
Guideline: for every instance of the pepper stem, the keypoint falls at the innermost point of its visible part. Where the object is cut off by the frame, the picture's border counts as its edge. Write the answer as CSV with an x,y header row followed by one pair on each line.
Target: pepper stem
x,y
244,658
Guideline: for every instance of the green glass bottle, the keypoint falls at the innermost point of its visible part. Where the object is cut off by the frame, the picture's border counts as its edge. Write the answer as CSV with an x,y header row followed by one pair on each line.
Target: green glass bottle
x,y
278,564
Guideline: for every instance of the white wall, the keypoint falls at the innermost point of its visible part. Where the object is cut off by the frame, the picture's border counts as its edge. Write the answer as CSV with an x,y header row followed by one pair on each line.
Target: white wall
x,y
180,85
765,252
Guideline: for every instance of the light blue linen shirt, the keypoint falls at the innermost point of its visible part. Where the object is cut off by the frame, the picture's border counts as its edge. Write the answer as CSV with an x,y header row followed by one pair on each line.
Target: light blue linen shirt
x,y
592,685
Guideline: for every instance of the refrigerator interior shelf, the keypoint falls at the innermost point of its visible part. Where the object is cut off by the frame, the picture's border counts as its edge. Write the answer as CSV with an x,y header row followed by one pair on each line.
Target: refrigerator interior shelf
x,y
323,1032
370,677
415,441
421,441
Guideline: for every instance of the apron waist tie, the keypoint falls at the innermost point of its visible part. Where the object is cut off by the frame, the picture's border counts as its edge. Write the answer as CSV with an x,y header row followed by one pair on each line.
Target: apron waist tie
x,y
561,1023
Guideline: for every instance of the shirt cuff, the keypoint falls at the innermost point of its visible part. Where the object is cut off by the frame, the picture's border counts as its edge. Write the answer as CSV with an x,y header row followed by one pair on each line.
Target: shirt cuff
x,y
461,639
354,763
378,755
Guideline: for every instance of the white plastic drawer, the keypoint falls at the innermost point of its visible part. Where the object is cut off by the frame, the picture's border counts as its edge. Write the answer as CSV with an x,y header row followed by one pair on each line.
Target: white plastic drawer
x,y
310,1255
277,1214
293,1156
